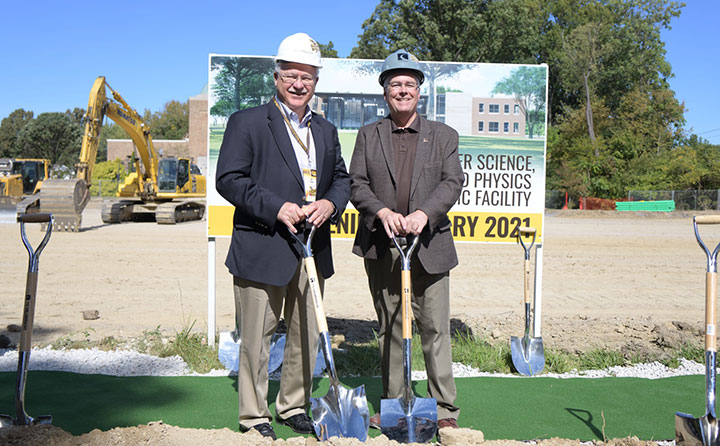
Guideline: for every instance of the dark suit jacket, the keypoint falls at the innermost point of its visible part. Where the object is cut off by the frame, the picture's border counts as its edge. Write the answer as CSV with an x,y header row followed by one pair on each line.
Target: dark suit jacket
x,y
436,185
257,172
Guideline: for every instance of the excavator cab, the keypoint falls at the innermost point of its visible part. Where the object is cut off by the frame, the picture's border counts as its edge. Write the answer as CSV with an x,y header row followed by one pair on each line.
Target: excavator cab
x,y
173,174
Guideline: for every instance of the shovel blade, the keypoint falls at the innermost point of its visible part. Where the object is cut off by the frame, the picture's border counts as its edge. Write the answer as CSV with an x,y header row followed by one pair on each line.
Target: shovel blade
x,y
7,420
409,421
528,355
691,431
341,413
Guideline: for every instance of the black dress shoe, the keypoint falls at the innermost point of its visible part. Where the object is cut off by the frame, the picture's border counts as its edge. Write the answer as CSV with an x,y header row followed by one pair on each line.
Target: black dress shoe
x,y
264,428
300,423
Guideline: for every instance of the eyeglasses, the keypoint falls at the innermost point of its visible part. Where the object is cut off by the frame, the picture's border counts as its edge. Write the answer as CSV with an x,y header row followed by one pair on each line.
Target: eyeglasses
x,y
292,78
399,85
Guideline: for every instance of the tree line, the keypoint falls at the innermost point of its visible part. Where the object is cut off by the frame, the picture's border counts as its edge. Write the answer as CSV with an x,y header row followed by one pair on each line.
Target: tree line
x,y
58,136
614,123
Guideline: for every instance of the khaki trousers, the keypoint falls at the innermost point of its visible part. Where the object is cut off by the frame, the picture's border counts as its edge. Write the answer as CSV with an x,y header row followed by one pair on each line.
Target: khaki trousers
x,y
258,308
431,309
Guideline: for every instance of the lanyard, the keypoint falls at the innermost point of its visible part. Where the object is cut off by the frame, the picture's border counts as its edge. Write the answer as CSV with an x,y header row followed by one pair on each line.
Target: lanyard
x,y
305,146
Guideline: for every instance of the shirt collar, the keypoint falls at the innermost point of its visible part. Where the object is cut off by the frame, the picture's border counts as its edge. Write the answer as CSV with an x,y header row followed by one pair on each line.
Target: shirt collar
x,y
414,127
292,116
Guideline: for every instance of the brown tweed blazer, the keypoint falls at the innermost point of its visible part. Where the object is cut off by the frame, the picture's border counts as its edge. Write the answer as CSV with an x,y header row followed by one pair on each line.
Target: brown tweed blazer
x,y
436,185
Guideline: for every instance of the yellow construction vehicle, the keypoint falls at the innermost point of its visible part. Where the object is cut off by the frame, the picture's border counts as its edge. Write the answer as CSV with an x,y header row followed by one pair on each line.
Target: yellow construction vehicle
x,y
20,182
165,188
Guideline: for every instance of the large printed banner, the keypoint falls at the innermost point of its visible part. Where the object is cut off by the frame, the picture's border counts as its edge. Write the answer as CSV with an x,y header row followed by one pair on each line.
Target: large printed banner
x,y
499,110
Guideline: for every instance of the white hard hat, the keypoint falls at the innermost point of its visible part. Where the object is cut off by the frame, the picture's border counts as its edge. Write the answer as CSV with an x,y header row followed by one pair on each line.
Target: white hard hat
x,y
299,48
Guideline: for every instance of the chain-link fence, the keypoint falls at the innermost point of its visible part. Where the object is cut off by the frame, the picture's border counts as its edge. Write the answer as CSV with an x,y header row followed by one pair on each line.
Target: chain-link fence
x,y
685,200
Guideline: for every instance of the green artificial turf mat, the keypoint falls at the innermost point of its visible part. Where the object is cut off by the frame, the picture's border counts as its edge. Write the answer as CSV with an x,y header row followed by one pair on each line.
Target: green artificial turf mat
x,y
503,408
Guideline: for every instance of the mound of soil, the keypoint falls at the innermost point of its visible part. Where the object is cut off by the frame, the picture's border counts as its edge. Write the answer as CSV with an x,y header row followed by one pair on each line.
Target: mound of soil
x,y
160,434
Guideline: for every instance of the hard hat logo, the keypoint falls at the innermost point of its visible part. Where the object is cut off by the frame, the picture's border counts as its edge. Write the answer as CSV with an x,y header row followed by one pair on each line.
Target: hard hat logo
x,y
299,48
401,60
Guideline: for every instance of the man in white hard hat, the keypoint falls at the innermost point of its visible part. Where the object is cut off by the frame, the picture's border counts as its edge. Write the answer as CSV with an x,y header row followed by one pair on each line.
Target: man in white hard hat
x,y
280,165
406,176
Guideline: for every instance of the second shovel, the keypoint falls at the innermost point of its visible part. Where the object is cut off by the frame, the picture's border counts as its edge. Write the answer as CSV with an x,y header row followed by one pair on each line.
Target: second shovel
x,y
528,355
408,419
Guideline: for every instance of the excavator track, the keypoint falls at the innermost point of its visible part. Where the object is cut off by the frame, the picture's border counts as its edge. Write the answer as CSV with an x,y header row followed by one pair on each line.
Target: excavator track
x,y
65,199
116,211
174,212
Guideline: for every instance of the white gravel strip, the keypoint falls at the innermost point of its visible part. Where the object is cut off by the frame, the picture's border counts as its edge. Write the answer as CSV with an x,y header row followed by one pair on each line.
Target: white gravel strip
x,y
94,361
130,363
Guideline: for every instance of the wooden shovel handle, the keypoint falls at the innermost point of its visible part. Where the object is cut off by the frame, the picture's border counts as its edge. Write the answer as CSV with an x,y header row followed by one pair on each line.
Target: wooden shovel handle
x,y
710,317
526,290
707,219
316,294
406,304
527,230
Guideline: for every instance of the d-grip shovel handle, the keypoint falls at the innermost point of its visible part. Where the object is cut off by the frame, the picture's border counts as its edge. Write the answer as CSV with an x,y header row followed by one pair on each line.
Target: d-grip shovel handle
x,y
523,230
406,283
710,282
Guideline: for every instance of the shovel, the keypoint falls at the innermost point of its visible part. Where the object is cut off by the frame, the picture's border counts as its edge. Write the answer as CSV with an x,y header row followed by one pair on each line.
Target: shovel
x,y
342,412
408,419
22,418
528,355
704,430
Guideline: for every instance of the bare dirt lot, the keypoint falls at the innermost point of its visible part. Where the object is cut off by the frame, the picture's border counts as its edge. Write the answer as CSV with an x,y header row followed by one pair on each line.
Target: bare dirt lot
x,y
610,279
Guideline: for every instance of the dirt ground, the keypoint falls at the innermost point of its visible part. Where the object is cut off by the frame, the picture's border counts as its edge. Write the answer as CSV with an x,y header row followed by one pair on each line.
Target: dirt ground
x,y
627,281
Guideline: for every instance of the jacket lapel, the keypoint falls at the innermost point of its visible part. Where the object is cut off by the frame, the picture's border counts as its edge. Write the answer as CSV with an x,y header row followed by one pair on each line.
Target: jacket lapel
x,y
422,153
282,140
384,129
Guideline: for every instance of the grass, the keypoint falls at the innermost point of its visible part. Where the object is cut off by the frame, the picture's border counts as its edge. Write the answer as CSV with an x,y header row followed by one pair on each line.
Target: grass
x,y
363,359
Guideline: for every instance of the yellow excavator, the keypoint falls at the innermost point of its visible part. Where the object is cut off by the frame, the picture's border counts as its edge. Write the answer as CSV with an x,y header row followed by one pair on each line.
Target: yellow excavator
x,y
170,189
20,182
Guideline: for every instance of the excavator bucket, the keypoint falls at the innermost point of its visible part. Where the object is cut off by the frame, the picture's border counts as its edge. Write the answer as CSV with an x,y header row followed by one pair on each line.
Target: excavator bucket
x,y
65,199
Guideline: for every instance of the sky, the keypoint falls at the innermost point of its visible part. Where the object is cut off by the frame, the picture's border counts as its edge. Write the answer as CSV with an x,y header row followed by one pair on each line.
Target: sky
x,y
152,52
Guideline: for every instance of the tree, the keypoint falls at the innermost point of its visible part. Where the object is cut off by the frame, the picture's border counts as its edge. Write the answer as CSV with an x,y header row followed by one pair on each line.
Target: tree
x,y
241,83
173,122
10,128
77,114
527,85
328,50
54,136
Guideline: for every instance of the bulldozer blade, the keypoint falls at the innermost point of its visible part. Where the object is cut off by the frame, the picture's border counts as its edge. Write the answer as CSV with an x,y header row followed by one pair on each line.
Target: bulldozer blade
x,y
691,431
528,355
341,413
411,420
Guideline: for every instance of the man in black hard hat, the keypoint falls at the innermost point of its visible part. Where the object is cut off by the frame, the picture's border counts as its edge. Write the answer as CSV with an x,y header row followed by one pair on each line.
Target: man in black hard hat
x,y
405,176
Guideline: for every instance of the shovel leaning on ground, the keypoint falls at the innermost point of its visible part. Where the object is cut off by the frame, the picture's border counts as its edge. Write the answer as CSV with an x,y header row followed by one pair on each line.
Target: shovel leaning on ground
x,y
528,355
22,418
408,419
342,412
690,431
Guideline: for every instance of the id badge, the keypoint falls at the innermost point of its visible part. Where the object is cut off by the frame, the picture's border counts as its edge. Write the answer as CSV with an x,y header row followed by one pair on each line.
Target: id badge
x,y
310,179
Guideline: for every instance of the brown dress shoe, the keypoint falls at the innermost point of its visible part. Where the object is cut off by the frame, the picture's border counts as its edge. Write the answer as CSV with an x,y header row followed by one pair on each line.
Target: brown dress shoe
x,y
375,421
448,422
